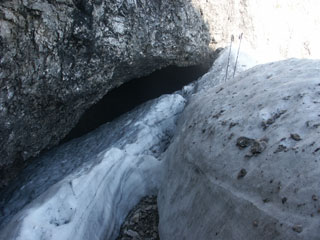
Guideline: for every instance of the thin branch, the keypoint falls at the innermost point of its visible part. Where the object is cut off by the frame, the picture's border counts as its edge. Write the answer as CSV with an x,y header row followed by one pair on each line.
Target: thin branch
x,y
232,38
235,65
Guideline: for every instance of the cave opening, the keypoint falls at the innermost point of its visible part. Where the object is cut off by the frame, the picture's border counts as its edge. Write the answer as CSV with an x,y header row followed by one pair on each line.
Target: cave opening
x,y
133,93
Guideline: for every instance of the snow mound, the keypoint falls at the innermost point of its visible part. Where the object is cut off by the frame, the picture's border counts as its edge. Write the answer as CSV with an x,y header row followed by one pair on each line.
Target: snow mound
x,y
244,163
99,178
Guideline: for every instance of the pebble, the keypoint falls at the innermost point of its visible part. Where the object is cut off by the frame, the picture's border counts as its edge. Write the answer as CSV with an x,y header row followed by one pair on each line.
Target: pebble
x,y
242,173
297,228
295,136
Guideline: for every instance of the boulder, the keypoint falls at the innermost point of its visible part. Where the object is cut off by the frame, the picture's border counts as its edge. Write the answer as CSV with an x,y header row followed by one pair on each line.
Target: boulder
x,y
60,57
244,163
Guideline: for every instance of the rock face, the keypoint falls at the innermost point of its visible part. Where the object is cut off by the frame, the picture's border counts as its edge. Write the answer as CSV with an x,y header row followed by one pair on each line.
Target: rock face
x,y
84,189
292,31
244,163
59,57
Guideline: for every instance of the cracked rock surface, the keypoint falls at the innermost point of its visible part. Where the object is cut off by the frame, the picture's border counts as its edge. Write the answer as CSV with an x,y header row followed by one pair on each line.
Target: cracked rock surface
x,y
269,113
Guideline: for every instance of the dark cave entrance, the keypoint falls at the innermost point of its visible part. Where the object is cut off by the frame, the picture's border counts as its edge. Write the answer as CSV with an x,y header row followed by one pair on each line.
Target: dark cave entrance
x,y
133,93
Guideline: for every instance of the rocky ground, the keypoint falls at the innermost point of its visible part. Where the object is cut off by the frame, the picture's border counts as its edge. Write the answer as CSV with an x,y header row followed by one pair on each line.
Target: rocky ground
x,y
142,221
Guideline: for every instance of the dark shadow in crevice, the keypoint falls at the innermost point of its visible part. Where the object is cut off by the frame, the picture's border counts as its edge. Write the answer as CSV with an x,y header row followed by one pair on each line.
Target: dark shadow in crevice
x,y
133,93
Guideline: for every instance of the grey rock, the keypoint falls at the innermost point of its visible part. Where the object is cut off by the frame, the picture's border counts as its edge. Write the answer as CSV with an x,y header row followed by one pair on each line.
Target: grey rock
x,y
258,147
295,136
242,173
60,57
243,142
211,189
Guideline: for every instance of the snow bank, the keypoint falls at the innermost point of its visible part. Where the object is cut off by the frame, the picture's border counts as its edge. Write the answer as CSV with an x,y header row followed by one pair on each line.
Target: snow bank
x,y
244,163
108,171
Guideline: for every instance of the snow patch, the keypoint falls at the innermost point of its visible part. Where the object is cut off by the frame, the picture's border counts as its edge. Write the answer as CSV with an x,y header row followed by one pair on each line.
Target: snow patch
x,y
120,164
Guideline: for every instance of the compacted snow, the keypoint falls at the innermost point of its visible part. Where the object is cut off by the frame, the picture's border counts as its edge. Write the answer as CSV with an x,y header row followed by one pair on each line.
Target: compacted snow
x,y
85,188
244,163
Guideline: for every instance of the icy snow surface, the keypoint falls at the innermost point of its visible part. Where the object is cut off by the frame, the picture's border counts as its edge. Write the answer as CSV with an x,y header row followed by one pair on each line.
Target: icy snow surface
x,y
85,188
244,163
